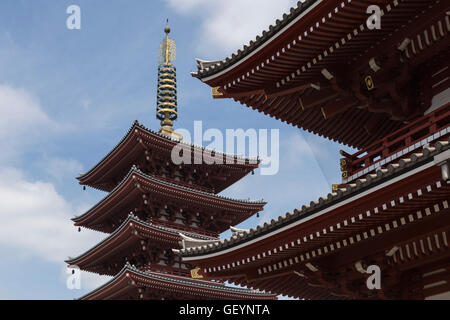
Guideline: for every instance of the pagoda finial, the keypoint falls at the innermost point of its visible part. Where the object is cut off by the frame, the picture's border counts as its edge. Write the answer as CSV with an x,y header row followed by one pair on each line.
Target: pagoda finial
x,y
166,108
167,28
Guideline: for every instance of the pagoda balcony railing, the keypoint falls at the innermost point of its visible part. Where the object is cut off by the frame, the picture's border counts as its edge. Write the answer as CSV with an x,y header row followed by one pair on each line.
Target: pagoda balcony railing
x,y
399,144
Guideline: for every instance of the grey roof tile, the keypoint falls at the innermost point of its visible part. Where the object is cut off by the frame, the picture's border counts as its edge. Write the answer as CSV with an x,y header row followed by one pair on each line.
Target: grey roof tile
x,y
368,181
132,218
209,68
136,124
180,280
135,170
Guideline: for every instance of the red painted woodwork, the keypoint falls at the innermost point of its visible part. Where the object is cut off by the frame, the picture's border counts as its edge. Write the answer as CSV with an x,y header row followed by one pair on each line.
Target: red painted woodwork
x,y
278,79
315,71
151,153
418,225
147,209
168,204
133,284
408,137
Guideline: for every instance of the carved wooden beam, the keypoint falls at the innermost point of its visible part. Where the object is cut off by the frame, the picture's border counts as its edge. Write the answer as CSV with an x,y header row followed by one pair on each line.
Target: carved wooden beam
x,y
271,93
317,98
335,107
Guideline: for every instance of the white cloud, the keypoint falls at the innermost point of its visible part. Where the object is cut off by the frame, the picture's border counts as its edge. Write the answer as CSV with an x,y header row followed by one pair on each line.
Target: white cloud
x,y
36,219
22,120
59,169
18,111
36,225
227,25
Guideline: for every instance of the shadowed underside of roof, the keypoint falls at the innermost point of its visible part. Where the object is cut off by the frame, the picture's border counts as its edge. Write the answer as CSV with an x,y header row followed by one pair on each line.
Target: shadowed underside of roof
x,y
139,139
311,68
360,185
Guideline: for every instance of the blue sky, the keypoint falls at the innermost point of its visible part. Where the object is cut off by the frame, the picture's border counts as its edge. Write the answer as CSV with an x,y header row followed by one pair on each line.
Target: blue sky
x,y
68,96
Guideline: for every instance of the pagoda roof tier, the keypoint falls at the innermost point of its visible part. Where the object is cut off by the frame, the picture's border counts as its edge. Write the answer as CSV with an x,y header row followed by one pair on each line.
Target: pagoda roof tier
x,y
131,283
133,234
209,70
386,214
143,142
129,194
320,68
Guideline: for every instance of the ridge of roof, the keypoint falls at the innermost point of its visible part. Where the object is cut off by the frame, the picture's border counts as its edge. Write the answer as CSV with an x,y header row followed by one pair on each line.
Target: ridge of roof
x,y
209,194
132,218
359,185
135,170
179,280
207,68
136,124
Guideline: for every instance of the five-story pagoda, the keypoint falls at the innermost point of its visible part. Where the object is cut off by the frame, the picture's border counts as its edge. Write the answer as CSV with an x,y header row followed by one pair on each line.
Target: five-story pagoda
x,y
155,205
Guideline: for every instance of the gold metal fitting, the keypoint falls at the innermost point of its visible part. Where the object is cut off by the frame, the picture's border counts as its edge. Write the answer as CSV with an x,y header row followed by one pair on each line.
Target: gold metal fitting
x,y
216,94
195,274
369,83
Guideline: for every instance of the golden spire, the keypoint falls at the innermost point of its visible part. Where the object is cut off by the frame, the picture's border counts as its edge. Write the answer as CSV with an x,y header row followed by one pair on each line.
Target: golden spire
x,y
166,108
168,48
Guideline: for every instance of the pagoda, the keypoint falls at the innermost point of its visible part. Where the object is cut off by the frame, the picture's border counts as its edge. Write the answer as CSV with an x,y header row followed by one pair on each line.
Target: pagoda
x,y
154,205
326,67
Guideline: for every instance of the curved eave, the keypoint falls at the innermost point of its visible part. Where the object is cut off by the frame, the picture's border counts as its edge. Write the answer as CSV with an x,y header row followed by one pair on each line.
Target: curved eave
x,y
88,177
333,37
125,236
417,164
109,246
129,143
212,72
126,282
132,184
